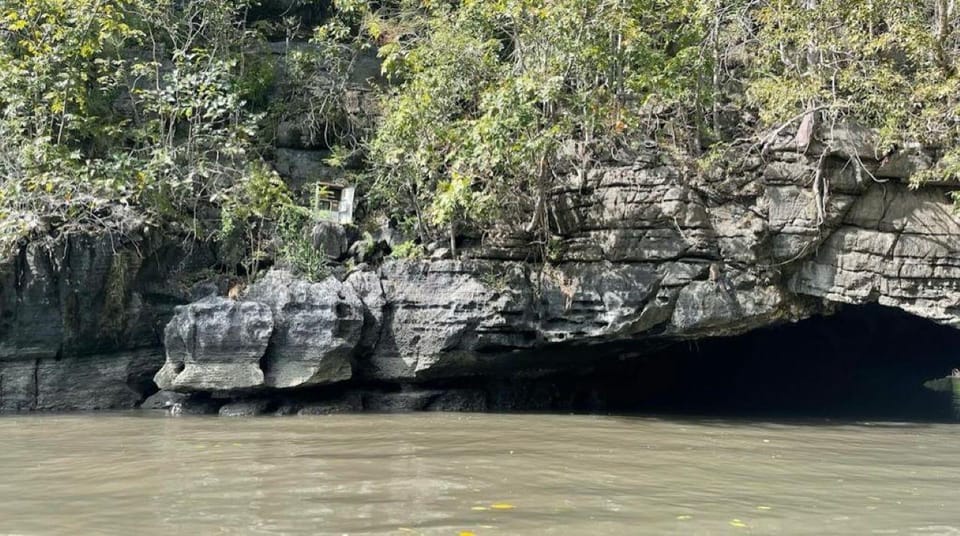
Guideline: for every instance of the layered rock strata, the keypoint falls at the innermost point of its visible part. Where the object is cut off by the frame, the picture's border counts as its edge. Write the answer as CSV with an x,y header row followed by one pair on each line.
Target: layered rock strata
x,y
645,251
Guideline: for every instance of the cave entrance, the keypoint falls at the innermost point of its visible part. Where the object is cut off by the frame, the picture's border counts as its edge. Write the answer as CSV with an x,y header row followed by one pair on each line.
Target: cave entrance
x,y
864,362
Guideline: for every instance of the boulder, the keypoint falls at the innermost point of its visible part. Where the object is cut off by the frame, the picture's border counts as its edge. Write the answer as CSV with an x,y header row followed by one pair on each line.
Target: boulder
x,y
317,328
216,345
331,239
248,408
164,400
438,315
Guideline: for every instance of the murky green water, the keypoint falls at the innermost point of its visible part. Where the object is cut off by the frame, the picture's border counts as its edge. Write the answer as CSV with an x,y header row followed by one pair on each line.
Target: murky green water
x,y
482,474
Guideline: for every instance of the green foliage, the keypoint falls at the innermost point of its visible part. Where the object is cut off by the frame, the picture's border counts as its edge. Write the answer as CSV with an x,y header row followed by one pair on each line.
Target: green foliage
x,y
323,95
248,210
121,102
156,107
408,250
889,64
134,103
496,102
296,245
259,220
367,245
258,78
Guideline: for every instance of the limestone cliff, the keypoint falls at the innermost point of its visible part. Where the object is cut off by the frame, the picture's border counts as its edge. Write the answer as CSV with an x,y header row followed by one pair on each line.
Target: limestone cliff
x,y
646,251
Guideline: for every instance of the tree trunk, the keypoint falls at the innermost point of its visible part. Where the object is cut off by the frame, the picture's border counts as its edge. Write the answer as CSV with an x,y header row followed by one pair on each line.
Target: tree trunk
x,y
943,12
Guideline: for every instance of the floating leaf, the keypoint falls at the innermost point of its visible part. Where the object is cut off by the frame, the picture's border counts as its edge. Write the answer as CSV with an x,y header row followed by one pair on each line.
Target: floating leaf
x,y
502,506
738,524
684,517
467,533
479,508
761,507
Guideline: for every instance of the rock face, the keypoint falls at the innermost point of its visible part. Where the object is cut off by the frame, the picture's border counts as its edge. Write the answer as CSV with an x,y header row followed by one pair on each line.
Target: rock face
x,y
318,326
644,252
894,246
285,333
81,318
216,345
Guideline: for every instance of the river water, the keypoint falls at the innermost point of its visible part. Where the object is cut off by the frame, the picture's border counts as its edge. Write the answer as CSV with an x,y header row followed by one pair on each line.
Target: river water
x,y
456,474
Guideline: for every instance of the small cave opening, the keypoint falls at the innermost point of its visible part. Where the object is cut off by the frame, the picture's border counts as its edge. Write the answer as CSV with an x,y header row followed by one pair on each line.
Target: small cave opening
x,y
862,362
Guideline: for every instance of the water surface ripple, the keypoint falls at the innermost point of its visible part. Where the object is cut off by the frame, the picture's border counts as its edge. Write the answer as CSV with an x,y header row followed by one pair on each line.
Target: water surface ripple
x,y
482,474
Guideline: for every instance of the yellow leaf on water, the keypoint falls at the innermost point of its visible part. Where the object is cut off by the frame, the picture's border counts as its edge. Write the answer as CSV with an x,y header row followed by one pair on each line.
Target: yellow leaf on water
x,y
738,524
467,533
502,506
761,507
684,517
479,508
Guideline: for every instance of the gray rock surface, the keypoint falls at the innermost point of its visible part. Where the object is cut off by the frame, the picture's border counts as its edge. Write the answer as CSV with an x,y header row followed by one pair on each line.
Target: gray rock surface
x,y
81,318
439,315
318,326
301,168
216,345
403,401
164,400
649,253
351,402
369,289
645,251
463,400
331,239
246,408
286,333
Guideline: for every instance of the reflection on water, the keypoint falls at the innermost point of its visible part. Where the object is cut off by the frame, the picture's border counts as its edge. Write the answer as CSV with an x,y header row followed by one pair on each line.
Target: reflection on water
x,y
484,474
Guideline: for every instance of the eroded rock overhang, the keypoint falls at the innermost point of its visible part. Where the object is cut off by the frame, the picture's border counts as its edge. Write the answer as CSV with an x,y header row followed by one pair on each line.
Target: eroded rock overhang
x,y
645,251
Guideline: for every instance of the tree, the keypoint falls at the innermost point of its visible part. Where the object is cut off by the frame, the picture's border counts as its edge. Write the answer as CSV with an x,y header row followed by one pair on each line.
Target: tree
x,y
501,99
144,107
888,64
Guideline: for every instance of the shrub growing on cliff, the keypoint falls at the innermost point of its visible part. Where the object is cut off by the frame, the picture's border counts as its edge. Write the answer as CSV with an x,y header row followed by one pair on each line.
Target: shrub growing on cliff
x,y
121,101
493,105
888,64
496,101
506,100
148,104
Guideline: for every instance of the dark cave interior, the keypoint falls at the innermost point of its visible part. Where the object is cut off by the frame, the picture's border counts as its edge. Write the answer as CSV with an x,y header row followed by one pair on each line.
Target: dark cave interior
x,y
863,362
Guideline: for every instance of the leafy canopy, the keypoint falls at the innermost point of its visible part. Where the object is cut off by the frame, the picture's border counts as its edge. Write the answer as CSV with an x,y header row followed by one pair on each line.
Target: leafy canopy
x,y
494,101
